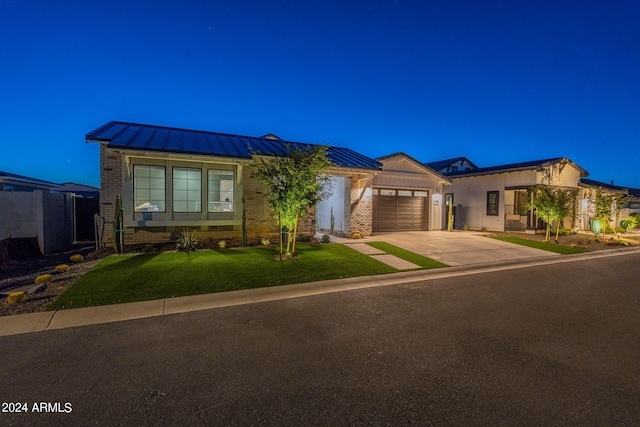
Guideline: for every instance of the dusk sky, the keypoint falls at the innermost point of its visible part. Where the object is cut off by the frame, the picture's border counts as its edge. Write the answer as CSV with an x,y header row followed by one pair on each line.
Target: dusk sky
x,y
496,81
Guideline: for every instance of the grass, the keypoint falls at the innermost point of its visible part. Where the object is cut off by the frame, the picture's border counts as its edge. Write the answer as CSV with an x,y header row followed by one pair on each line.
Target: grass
x,y
551,247
406,255
129,278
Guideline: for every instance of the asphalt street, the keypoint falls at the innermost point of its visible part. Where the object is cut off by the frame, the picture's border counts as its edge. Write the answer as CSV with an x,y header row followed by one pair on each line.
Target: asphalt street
x,y
547,345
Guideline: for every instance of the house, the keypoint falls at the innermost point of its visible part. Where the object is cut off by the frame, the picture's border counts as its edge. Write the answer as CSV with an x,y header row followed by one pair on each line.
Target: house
x,y
452,165
587,192
492,198
14,182
171,178
50,214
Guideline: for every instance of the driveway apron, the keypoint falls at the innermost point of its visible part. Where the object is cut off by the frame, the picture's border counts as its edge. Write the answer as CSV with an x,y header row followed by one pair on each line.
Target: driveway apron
x,y
459,247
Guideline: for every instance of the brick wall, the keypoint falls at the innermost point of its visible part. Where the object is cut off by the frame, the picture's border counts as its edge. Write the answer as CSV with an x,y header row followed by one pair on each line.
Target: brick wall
x,y
110,187
260,220
361,208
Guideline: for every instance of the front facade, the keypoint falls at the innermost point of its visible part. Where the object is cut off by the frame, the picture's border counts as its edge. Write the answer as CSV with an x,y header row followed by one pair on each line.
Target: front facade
x,y
170,179
493,198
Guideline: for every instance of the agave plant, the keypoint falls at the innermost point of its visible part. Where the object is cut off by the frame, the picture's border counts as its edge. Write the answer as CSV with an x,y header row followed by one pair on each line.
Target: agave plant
x,y
187,242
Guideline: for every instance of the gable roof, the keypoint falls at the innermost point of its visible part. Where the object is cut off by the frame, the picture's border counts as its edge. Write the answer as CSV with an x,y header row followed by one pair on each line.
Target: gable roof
x,y
133,136
417,163
585,182
437,165
515,167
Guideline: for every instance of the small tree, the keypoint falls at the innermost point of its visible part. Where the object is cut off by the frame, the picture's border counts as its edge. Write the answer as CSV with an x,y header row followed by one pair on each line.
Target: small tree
x,y
563,206
542,200
295,183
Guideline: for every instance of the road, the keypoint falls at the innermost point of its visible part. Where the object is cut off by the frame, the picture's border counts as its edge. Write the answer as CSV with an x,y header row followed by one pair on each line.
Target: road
x,y
546,345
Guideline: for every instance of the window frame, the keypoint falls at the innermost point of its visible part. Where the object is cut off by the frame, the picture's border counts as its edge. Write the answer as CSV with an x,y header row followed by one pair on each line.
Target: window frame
x,y
231,202
135,187
490,205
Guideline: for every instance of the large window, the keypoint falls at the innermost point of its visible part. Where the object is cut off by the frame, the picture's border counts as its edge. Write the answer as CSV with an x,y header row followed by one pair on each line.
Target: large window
x,y
149,188
220,190
492,202
187,190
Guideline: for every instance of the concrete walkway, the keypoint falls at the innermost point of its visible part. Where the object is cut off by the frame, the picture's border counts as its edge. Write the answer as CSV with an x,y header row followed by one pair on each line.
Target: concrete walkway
x,y
35,322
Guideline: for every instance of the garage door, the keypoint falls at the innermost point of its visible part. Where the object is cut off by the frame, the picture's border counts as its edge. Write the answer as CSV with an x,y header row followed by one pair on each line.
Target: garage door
x,y
400,210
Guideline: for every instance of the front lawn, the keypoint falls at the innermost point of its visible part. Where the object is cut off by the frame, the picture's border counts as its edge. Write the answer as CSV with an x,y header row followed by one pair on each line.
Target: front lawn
x,y
406,255
551,247
129,278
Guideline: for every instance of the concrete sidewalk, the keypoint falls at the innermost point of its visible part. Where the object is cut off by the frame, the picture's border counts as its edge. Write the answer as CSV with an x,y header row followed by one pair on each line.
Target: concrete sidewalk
x,y
36,322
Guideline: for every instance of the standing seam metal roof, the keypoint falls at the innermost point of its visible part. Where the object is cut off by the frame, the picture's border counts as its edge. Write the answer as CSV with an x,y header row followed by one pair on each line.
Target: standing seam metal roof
x,y
134,136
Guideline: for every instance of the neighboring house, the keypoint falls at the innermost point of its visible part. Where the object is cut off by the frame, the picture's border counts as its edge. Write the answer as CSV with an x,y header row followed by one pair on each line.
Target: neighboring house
x,y
15,182
587,192
32,208
170,179
493,198
634,203
80,190
452,165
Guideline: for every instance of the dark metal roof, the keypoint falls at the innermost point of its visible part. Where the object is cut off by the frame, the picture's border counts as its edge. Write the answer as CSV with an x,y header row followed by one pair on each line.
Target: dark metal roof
x,y
440,164
132,136
26,179
585,182
514,167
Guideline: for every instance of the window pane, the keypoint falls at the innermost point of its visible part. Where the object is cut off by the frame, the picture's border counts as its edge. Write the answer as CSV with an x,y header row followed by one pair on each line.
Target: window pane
x,y
186,190
220,190
149,188
421,193
404,193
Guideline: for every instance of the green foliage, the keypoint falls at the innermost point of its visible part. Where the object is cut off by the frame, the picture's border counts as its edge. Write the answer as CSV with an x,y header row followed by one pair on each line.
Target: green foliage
x,y
265,242
325,239
16,298
294,184
222,244
187,241
304,238
62,268
630,222
551,204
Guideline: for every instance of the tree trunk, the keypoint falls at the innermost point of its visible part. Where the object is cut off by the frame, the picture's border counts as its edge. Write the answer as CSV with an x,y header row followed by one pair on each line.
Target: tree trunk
x,y
295,235
280,232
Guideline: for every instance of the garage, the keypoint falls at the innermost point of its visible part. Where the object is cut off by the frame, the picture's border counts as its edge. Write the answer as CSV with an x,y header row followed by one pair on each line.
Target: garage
x,y
400,210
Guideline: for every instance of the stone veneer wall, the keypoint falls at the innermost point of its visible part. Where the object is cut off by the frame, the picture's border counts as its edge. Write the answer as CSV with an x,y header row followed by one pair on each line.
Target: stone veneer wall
x,y
260,220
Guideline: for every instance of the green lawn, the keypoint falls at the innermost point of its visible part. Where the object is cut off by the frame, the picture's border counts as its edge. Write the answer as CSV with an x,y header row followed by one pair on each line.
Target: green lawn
x,y
128,278
406,255
551,247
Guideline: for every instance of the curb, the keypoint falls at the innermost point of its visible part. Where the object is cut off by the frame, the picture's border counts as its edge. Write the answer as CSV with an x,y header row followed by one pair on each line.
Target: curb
x,y
61,319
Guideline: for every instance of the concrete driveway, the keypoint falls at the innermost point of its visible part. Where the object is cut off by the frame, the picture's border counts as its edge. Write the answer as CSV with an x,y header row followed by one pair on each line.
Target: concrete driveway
x,y
457,247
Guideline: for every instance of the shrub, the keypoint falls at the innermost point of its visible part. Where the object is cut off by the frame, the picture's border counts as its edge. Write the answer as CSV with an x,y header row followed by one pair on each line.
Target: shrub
x,y
303,238
222,244
630,223
45,279
76,258
187,241
62,268
325,239
356,236
265,242
16,298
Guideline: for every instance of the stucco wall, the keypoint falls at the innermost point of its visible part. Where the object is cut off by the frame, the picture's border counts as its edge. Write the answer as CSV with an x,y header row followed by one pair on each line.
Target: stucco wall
x,y
49,217
338,203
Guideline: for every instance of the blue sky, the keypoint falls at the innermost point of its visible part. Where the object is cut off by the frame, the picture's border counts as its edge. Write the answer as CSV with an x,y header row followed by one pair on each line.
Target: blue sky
x,y
495,81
